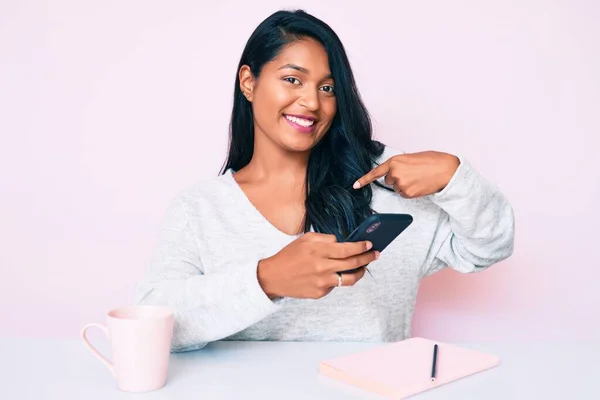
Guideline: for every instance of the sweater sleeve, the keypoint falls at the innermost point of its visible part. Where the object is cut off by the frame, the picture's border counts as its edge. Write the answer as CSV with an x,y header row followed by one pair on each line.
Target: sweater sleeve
x,y
207,307
476,227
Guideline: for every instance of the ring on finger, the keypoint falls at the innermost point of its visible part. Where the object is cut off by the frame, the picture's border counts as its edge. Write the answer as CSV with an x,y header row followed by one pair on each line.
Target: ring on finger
x,y
339,274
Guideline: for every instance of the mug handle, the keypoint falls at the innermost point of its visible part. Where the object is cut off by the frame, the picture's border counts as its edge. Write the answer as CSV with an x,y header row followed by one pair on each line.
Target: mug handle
x,y
95,352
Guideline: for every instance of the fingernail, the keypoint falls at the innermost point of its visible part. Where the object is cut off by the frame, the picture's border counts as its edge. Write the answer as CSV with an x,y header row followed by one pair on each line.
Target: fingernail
x,y
376,255
356,185
369,245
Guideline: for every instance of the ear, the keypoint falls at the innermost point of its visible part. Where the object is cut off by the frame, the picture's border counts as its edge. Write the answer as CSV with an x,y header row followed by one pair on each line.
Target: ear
x,y
247,81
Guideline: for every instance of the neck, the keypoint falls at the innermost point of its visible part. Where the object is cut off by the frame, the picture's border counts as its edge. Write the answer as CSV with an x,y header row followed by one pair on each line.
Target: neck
x,y
272,163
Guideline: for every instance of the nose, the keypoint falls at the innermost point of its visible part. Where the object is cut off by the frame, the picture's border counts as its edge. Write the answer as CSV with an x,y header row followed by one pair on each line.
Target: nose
x,y
310,99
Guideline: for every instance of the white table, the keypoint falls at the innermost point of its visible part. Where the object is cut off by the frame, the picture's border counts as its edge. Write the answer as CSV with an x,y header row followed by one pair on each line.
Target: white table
x,y
64,369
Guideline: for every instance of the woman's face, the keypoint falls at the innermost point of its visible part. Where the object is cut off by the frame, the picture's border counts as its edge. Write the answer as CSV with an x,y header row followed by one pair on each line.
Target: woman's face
x,y
293,100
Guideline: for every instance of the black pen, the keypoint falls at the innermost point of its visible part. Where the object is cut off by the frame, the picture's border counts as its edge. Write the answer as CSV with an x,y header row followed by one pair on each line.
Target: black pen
x,y
434,362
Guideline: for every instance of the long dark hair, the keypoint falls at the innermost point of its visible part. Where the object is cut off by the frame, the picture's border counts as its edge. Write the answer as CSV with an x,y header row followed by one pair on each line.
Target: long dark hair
x,y
344,154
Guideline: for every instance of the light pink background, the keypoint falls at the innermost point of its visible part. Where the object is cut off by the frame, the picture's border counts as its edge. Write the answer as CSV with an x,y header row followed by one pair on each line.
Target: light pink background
x,y
108,109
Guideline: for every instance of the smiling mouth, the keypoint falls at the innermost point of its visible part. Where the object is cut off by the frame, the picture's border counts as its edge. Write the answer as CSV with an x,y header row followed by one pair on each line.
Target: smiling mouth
x,y
306,123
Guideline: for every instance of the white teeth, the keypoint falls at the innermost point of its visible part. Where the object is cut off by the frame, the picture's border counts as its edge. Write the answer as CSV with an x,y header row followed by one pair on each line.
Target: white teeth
x,y
300,121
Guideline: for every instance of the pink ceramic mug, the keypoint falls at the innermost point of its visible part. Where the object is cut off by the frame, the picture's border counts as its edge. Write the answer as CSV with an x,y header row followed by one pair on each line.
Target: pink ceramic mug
x,y
140,342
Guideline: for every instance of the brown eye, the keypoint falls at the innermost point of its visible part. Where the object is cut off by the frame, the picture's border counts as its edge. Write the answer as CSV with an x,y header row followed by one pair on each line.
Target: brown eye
x,y
291,80
328,89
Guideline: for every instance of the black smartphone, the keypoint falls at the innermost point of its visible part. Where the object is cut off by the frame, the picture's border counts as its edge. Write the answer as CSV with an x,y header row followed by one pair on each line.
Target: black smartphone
x,y
380,230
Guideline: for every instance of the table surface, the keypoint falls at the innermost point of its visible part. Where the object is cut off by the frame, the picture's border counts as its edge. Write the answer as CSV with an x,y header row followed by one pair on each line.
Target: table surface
x,y
64,369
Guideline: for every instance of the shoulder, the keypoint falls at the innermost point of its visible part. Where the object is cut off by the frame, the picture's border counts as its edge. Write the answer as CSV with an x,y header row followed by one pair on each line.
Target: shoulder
x,y
203,194
388,152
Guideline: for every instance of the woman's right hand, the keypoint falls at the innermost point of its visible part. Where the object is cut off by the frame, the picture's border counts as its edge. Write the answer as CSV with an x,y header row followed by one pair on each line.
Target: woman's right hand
x,y
307,267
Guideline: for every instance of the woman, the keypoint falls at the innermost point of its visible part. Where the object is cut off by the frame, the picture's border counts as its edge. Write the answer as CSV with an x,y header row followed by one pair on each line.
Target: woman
x,y
254,253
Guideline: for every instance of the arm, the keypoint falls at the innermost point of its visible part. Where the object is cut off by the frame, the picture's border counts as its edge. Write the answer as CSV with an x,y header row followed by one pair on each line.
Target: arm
x,y
477,224
207,307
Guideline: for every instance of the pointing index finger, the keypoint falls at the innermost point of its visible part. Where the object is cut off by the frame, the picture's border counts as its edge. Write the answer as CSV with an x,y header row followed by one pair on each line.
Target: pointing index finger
x,y
374,174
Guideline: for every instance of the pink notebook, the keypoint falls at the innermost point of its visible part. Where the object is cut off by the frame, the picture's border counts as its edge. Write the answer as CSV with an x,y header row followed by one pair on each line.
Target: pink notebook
x,y
403,369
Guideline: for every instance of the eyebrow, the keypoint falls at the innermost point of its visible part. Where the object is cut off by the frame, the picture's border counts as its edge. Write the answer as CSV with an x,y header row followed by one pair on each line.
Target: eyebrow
x,y
301,69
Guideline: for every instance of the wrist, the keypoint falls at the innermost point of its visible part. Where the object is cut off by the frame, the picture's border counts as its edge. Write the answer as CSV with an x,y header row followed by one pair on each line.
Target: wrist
x,y
451,165
264,276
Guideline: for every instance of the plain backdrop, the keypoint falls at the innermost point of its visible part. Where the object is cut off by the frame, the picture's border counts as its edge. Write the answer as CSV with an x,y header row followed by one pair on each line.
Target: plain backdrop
x,y
108,109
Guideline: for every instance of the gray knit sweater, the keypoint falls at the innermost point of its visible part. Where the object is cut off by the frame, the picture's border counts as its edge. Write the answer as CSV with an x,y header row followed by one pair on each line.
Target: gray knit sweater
x,y
212,239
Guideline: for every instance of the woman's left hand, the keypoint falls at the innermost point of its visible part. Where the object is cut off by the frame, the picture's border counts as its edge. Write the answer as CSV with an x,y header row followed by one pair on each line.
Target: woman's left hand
x,y
415,174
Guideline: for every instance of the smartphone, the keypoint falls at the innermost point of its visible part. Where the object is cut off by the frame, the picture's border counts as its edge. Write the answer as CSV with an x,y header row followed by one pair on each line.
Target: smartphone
x,y
380,230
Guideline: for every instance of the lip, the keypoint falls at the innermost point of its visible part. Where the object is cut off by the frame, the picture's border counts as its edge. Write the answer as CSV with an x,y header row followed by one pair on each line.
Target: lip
x,y
300,128
302,116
